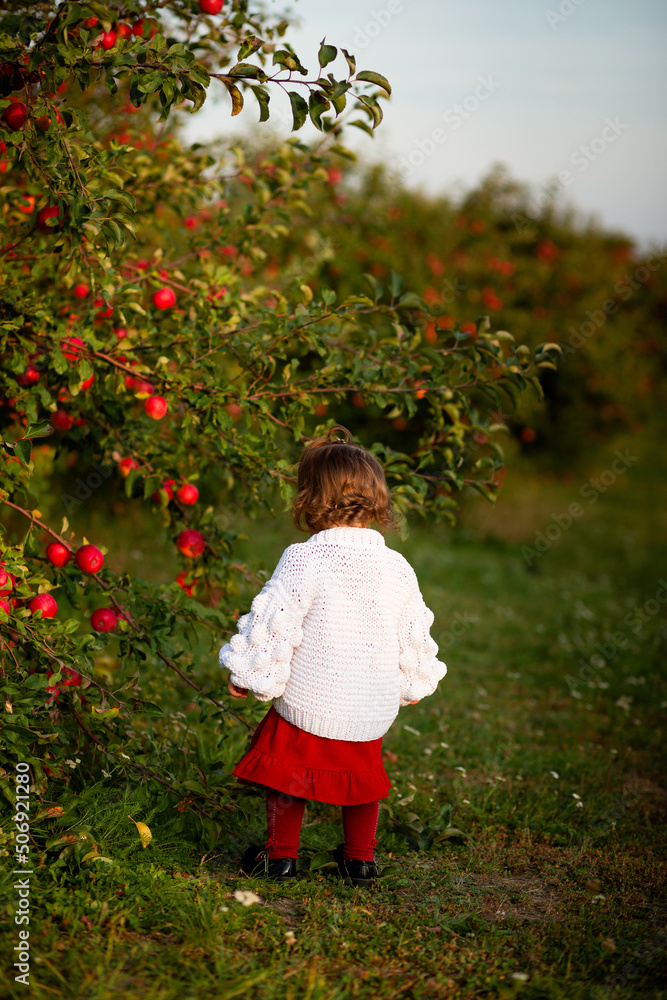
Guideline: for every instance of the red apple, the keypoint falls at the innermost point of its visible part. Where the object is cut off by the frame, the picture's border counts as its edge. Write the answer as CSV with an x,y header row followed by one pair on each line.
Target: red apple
x,y
49,212
126,465
8,582
142,385
89,559
164,298
57,554
104,620
71,678
81,291
86,384
71,347
107,40
44,603
5,606
156,407
191,543
105,310
210,6
15,115
120,332
124,31
187,587
90,22
188,494
138,28
61,420
167,487
28,205
29,377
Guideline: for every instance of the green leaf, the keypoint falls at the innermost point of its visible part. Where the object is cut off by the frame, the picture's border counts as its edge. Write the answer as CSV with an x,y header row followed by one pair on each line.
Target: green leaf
x,y
150,82
299,109
281,57
148,708
483,489
248,71
200,74
343,152
23,450
358,123
262,96
370,77
450,832
249,45
351,61
411,301
42,429
318,104
339,103
123,196
372,107
375,285
326,54
396,284
36,681
321,860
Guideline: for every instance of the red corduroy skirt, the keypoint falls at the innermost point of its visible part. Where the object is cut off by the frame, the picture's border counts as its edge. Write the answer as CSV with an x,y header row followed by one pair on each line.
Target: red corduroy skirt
x,y
290,760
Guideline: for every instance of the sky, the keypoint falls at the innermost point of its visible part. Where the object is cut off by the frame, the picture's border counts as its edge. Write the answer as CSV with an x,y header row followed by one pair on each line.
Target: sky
x,y
568,90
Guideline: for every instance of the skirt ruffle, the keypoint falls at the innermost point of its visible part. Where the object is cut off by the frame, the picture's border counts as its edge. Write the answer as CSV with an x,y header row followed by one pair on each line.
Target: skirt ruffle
x,y
337,771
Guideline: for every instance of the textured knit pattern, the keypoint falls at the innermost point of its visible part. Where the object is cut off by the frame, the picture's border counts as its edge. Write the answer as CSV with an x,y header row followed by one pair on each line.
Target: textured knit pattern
x,y
339,637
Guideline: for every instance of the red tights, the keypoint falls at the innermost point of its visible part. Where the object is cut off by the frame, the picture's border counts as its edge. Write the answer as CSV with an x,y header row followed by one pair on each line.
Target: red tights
x,y
284,814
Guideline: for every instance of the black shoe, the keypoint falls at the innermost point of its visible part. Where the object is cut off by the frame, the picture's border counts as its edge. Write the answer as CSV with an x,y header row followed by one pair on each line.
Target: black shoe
x,y
361,873
256,862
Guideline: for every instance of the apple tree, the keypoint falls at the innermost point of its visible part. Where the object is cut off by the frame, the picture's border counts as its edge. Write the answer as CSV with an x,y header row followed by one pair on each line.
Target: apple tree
x,y
146,350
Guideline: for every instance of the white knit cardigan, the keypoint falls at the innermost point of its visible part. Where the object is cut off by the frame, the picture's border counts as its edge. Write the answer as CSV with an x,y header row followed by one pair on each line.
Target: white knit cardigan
x,y
339,637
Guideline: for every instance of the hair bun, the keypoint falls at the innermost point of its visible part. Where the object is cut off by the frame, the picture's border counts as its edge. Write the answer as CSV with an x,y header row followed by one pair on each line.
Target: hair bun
x,y
339,429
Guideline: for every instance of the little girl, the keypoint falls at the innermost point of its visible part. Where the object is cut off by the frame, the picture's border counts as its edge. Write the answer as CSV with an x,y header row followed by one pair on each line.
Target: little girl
x,y
338,638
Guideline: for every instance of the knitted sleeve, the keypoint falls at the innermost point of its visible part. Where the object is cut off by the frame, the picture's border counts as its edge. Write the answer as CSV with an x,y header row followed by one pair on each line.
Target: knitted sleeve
x,y
419,666
259,655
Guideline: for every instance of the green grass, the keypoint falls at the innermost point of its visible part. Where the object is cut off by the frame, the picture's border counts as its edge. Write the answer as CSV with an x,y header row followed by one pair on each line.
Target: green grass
x,y
559,880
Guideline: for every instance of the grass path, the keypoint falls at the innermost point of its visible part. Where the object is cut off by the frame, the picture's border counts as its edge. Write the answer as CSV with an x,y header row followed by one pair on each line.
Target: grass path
x,y
543,745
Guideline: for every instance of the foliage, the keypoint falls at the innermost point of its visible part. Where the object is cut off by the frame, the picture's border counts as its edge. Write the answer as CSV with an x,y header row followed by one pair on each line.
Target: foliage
x,y
142,345
538,270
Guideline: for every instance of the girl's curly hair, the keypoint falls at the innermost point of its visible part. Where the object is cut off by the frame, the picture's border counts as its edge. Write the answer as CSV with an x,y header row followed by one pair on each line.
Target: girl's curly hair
x,y
340,483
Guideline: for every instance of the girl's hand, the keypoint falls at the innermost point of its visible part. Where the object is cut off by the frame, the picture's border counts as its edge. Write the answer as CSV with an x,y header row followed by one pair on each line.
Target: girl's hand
x,y
237,692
